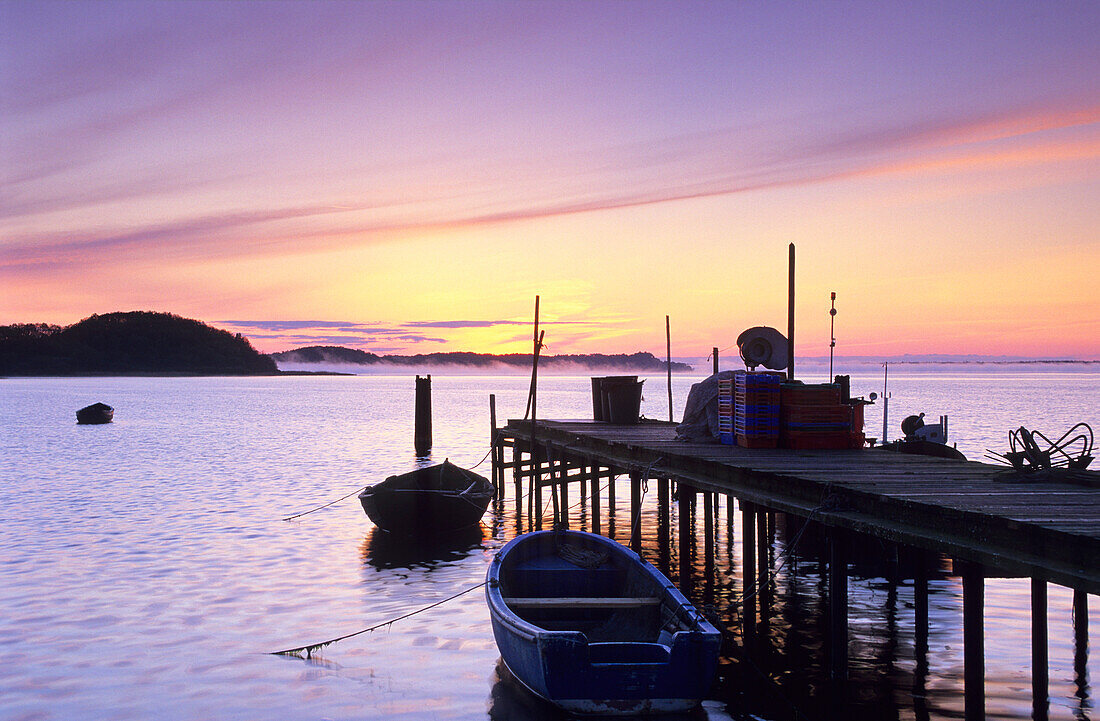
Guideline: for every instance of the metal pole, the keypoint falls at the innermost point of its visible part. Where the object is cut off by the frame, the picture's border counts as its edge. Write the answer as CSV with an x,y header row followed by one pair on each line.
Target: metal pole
x,y
668,354
832,333
790,313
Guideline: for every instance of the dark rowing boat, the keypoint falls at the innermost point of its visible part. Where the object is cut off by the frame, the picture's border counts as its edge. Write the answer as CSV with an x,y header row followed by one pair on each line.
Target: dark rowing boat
x,y
95,413
590,626
429,501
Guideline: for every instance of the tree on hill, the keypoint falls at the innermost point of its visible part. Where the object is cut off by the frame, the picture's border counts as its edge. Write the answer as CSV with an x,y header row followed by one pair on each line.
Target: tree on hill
x,y
133,342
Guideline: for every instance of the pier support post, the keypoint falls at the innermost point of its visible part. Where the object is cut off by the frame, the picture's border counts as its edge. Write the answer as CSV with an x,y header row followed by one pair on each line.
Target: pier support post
x,y
664,520
611,492
1081,642
636,511
748,573
920,641
422,432
973,579
838,610
1040,674
684,504
763,570
594,471
493,462
535,484
563,486
708,530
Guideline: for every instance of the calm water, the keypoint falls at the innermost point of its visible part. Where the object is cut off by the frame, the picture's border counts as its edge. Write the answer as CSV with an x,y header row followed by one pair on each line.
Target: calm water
x,y
145,571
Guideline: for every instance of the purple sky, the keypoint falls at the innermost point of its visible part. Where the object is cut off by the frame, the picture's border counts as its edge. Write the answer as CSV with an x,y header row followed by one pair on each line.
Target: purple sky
x,y
192,146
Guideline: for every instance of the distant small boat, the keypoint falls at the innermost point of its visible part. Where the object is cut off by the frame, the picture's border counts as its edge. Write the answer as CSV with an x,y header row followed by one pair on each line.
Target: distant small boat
x,y
590,626
95,413
428,502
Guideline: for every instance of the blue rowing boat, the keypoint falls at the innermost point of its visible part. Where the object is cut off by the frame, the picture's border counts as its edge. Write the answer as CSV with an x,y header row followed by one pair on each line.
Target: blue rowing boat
x,y
590,626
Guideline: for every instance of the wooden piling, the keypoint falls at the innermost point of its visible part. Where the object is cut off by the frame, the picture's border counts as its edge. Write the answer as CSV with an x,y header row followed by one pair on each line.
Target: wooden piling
x,y
838,607
1081,640
684,503
973,579
594,470
708,532
762,547
493,447
422,431
748,572
636,511
715,354
1040,674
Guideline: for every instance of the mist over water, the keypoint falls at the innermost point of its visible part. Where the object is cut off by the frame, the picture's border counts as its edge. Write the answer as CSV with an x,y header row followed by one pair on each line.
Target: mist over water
x,y
145,571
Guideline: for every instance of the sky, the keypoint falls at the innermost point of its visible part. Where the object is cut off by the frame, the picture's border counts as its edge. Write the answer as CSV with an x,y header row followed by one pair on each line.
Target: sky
x,y
407,177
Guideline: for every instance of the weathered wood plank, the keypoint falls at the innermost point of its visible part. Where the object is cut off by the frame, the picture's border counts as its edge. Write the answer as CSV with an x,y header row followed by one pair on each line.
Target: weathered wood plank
x,y
974,511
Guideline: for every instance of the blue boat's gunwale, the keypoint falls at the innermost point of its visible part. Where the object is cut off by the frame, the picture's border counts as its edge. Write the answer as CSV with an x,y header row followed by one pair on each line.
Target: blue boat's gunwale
x,y
537,657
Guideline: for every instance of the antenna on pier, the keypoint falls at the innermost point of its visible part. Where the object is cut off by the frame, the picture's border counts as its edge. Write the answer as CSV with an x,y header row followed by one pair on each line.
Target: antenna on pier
x,y
832,332
885,401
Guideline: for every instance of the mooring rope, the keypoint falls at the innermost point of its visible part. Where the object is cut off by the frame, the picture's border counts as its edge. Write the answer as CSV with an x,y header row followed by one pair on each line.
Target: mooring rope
x,y
306,513
308,650
360,488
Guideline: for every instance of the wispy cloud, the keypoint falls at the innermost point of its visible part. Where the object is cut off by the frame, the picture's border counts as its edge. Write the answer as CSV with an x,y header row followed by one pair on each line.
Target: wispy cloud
x,y
693,165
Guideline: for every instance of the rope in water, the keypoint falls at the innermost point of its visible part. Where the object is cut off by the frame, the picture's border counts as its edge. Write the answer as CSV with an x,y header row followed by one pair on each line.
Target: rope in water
x,y
360,488
309,649
305,513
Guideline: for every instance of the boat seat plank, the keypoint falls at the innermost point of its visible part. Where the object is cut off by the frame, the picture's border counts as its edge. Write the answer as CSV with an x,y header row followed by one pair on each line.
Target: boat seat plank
x,y
582,602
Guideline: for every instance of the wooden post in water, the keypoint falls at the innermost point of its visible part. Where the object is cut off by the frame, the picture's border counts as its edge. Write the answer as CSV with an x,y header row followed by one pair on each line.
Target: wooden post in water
x,y
494,464
748,572
708,534
594,471
838,609
563,478
1081,641
664,514
636,511
973,579
686,495
762,546
920,621
715,354
422,432
1040,673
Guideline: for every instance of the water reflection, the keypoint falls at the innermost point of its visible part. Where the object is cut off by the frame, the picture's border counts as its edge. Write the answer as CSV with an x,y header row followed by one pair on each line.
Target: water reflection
x,y
509,700
386,551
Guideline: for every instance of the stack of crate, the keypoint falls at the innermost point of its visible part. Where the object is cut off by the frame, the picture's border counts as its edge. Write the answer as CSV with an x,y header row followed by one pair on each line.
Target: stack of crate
x,y
756,409
725,412
814,417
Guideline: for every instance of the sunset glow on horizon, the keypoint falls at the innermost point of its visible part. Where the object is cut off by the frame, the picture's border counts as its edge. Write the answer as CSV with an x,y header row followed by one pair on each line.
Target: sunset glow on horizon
x,y
405,177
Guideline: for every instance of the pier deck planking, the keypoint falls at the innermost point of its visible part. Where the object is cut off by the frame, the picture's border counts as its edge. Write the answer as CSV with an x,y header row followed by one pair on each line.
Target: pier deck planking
x,y
972,511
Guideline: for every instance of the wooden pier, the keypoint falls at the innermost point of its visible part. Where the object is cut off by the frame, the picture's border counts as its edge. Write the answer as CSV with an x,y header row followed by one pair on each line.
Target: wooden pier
x,y
991,521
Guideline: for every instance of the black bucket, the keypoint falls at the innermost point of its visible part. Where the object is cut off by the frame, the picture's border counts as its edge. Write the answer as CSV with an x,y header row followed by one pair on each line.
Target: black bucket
x,y
598,413
623,398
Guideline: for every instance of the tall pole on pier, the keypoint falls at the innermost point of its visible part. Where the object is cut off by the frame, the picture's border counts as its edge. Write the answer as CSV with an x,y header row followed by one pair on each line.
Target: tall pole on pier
x,y
832,332
668,355
790,313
